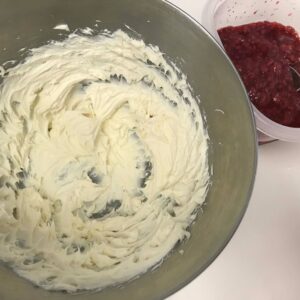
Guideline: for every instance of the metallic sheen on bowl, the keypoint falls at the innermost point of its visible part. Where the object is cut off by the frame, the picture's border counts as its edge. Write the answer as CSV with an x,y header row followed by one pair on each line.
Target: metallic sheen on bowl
x,y
229,119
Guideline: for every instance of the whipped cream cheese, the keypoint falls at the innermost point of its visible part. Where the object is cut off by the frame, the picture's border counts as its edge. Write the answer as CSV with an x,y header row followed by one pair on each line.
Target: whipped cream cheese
x,y
103,161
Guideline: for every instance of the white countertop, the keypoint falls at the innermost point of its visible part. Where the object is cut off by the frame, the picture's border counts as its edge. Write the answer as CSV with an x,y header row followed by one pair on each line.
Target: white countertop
x,y
262,261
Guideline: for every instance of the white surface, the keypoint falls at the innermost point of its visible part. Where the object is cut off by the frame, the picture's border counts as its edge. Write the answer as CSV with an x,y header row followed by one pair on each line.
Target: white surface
x,y
262,261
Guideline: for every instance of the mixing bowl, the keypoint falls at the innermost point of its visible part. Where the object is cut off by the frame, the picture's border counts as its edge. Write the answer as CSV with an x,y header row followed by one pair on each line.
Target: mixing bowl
x,y
229,121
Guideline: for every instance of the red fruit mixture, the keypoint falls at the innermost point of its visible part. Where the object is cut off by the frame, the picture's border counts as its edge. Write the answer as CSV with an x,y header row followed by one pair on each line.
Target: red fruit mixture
x,y
262,53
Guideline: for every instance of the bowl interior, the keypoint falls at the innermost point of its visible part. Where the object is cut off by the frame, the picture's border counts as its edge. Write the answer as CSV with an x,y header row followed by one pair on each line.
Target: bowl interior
x,y
232,149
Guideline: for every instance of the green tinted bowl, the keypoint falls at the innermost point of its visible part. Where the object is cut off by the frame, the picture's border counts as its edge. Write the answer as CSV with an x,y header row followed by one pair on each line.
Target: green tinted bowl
x,y
232,147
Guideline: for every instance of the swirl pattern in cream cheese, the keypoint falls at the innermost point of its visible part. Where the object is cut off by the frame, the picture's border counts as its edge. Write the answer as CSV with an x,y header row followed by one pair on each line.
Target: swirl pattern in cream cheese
x,y
103,161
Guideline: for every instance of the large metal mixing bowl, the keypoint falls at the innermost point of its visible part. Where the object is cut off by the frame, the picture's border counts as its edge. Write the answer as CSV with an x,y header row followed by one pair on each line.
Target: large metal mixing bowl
x,y
229,118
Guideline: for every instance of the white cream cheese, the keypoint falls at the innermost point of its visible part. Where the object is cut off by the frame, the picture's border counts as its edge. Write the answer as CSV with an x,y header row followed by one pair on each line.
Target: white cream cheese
x,y
62,27
103,161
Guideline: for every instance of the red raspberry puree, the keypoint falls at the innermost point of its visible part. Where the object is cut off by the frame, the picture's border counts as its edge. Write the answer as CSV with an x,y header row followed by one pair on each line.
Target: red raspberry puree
x,y
262,53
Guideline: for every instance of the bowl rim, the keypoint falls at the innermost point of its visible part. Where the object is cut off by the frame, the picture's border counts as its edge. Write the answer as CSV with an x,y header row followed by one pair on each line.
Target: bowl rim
x,y
201,269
